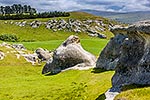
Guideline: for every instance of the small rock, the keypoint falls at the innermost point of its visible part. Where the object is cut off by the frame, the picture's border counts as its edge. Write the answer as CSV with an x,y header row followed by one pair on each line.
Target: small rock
x,y
19,46
2,55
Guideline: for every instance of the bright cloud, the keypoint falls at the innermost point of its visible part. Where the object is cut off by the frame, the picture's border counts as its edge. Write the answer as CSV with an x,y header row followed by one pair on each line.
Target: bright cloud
x,y
71,5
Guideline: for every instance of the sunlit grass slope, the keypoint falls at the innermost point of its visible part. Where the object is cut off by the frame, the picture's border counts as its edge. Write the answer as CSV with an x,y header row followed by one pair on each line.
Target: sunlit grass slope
x,y
134,92
19,80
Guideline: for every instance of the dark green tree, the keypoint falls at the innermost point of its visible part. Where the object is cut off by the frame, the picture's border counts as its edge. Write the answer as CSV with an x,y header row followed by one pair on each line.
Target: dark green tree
x,y
7,10
25,9
14,10
19,9
1,9
28,9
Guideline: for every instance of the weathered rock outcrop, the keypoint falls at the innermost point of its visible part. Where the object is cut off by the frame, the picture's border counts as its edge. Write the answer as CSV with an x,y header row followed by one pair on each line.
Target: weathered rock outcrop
x,y
94,28
18,46
35,24
130,56
134,64
69,54
32,58
109,57
42,54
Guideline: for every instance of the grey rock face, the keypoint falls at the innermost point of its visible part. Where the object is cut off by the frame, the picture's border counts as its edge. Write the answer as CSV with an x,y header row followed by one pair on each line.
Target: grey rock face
x,y
93,28
35,24
32,58
42,54
19,46
109,57
133,65
94,33
69,54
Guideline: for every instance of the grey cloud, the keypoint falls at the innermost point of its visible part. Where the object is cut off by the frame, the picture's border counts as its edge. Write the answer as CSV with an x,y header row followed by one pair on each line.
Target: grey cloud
x,y
96,2
10,2
147,3
70,5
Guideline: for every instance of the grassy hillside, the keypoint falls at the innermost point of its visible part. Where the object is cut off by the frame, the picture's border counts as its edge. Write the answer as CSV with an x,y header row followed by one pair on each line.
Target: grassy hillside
x,y
37,34
28,33
20,80
134,92
27,83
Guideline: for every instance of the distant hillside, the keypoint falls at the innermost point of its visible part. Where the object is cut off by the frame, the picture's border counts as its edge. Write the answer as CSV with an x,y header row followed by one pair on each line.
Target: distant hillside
x,y
128,17
44,29
101,13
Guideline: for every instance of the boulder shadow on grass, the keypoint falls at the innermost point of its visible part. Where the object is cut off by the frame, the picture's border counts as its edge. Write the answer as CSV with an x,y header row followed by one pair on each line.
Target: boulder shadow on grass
x,y
98,70
133,86
101,97
50,74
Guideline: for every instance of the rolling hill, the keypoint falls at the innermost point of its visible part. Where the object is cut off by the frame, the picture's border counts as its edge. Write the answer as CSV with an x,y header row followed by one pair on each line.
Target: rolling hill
x,y
20,80
27,33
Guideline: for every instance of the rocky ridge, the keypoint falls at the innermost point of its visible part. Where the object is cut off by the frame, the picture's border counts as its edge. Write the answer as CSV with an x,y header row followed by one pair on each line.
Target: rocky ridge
x,y
19,51
93,28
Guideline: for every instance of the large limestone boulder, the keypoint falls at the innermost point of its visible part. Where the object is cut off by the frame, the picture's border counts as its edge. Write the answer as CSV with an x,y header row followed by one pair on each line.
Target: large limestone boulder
x,y
69,54
133,65
133,55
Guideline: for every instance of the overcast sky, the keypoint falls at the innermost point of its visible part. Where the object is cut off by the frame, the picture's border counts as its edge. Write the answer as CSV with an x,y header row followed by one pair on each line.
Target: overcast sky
x,y
72,5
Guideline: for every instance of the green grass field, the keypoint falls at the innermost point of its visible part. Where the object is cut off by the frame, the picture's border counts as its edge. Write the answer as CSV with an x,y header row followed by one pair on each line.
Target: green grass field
x,y
28,33
19,80
27,83
93,45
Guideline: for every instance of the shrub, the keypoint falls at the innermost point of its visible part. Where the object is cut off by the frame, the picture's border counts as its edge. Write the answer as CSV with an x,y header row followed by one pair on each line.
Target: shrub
x,y
34,15
9,37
